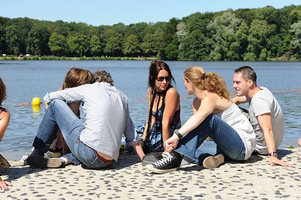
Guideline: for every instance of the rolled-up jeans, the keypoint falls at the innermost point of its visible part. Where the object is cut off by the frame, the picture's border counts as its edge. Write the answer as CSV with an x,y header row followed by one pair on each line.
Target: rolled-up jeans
x,y
226,141
59,116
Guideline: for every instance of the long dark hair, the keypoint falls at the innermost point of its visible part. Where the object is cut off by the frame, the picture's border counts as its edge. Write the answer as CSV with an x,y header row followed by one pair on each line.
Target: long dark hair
x,y
154,70
155,67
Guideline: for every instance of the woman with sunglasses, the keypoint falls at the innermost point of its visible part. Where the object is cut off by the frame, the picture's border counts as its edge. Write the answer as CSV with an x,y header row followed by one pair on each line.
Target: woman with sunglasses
x,y
214,115
163,105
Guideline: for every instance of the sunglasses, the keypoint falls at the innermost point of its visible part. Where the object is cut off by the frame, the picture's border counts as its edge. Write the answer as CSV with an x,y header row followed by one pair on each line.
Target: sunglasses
x,y
161,78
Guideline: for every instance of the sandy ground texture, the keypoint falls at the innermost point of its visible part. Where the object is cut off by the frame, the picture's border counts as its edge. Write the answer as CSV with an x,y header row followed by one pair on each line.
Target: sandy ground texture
x,y
253,179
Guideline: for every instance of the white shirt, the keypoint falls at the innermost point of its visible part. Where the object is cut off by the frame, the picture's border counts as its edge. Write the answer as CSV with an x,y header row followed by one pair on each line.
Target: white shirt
x,y
106,113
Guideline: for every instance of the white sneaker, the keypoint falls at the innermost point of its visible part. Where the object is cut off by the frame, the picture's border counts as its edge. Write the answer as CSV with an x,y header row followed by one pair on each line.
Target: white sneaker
x,y
213,161
24,160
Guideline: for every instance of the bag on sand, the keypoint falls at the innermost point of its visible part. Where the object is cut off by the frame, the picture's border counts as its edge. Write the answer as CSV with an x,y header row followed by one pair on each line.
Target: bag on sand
x,y
4,163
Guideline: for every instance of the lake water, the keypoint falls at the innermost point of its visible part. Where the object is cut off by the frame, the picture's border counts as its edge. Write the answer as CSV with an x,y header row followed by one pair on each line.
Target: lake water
x,y
27,79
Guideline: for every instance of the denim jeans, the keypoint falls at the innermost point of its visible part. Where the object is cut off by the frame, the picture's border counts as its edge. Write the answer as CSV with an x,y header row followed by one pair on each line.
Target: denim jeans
x,y
59,116
226,141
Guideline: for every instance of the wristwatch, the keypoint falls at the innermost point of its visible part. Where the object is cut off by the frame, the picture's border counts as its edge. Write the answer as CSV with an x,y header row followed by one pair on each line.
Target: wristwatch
x,y
178,134
273,154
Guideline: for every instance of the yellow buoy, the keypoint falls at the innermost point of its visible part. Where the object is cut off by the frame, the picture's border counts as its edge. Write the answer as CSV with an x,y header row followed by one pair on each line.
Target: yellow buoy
x,y
36,101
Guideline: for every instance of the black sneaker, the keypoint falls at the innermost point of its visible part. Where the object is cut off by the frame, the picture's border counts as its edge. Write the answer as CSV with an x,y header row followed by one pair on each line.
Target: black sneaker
x,y
151,158
168,163
42,162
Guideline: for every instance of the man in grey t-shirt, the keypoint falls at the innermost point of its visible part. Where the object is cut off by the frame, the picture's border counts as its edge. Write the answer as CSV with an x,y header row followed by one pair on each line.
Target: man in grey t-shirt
x,y
265,113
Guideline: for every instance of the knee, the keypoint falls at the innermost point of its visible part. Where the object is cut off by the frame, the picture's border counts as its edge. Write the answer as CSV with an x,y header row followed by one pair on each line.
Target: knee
x,y
54,102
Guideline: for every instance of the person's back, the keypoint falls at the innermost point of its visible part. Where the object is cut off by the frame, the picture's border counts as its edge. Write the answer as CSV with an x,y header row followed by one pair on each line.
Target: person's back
x,y
106,117
264,102
95,143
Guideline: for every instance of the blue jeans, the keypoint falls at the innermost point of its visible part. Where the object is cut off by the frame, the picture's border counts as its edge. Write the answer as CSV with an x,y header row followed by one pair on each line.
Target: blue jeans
x,y
226,139
59,116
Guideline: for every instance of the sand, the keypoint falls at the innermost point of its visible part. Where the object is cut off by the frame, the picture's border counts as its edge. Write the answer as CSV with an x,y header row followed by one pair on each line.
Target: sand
x,y
253,179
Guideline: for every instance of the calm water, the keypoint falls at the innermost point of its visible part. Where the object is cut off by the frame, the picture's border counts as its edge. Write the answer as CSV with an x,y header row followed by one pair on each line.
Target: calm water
x,y
28,79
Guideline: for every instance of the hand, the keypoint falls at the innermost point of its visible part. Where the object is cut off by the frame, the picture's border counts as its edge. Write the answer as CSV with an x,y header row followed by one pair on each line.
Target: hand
x,y
275,161
4,185
171,143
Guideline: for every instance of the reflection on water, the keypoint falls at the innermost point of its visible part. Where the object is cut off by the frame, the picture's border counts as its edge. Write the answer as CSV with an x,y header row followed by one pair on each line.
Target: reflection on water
x,y
25,80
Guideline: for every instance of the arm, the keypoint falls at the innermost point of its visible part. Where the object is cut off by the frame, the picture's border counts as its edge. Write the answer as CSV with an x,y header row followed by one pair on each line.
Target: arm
x,y
75,94
202,110
265,122
239,99
138,149
130,135
172,102
4,121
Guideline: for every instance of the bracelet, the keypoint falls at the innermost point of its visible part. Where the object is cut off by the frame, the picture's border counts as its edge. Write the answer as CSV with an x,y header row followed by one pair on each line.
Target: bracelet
x,y
178,134
273,154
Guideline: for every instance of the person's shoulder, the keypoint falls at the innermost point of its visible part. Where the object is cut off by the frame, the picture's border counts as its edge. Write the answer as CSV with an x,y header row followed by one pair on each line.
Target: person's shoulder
x,y
172,91
263,93
4,112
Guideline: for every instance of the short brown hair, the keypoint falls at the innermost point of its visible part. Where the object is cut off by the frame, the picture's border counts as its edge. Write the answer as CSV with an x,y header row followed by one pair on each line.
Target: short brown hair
x,y
76,77
103,76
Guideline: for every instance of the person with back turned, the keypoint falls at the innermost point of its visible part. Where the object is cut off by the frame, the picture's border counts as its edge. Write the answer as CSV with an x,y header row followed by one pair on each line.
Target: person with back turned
x,y
94,143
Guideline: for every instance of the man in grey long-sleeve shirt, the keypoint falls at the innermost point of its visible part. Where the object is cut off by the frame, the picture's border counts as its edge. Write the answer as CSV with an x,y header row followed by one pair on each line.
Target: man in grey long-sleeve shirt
x,y
95,143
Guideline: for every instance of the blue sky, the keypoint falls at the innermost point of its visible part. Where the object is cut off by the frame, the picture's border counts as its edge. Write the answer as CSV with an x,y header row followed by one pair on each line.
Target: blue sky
x,y
100,12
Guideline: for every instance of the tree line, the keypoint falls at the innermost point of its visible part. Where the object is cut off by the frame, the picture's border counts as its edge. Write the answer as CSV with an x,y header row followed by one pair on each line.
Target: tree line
x,y
232,35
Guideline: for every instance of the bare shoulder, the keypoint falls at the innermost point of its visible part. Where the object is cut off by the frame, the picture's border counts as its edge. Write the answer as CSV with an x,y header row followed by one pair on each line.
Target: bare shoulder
x,y
172,92
4,113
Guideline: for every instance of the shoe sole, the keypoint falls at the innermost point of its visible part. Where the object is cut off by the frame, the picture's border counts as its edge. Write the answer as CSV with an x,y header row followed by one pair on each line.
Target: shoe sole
x,y
213,161
41,162
159,171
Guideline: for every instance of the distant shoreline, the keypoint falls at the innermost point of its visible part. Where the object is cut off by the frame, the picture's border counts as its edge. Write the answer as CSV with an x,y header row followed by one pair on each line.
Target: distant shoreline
x,y
24,58
3,58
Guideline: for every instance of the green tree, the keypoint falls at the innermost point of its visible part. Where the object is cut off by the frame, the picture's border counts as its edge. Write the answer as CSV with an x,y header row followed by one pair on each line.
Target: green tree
x,y
113,41
172,49
198,21
131,46
37,41
14,40
58,44
182,34
296,40
96,45
2,39
196,46
257,38
78,44
169,41
223,30
149,45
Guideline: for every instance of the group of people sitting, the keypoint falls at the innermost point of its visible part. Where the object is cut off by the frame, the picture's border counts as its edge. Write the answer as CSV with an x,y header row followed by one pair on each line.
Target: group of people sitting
x,y
95,141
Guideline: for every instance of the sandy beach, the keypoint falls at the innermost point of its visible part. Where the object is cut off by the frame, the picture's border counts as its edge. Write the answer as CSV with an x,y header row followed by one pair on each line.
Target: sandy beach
x,y
253,179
